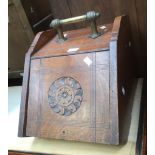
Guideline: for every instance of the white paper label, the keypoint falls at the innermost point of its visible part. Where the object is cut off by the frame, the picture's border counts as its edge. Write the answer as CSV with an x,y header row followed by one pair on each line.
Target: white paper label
x,y
73,50
88,61
103,27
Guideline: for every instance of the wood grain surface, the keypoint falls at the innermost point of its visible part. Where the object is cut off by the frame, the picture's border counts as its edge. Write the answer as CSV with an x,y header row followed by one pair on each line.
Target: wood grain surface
x,y
135,9
40,39
20,36
76,39
18,153
103,69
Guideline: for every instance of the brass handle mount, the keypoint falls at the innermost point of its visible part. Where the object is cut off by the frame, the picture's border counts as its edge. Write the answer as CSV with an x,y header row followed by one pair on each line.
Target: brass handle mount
x,y
90,16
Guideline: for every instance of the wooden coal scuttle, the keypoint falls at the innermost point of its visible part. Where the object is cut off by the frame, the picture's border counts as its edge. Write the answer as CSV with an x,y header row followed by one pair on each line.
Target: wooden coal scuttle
x,y
76,84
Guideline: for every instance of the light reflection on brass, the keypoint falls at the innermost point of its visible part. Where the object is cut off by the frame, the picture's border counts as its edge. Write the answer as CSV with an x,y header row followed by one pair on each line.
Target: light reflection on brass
x,y
90,16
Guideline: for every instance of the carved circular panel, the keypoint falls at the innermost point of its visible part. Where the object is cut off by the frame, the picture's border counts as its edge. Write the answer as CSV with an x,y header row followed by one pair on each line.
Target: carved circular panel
x,y
65,96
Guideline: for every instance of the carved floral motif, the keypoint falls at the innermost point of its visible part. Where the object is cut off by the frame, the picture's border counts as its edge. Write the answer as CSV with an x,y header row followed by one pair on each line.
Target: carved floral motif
x,y
65,96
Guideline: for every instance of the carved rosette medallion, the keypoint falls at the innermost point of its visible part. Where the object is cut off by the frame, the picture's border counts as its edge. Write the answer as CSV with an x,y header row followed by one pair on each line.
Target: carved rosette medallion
x,y
65,96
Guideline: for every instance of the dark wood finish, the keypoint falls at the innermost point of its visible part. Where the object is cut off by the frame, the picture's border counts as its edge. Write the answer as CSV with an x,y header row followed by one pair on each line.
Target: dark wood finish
x,y
24,153
15,82
84,43
135,9
121,77
144,147
99,66
141,143
36,9
41,39
19,153
23,19
122,71
20,36
38,13
64,11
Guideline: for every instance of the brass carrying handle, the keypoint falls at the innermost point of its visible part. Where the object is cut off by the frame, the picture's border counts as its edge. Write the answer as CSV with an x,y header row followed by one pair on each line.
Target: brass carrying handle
x,y
90,16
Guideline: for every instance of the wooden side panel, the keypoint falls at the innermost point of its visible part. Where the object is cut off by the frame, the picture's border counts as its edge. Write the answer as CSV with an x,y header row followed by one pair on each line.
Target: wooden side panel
x,y
102,98
126,75
19,38
41,39
91,121
114,126
122,74
34,94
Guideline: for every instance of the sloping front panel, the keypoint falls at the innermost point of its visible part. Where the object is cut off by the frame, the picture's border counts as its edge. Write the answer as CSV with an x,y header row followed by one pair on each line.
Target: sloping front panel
x,y
69,98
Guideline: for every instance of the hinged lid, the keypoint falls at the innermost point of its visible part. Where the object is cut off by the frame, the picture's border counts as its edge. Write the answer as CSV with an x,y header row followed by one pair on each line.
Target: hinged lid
x,y
77,42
